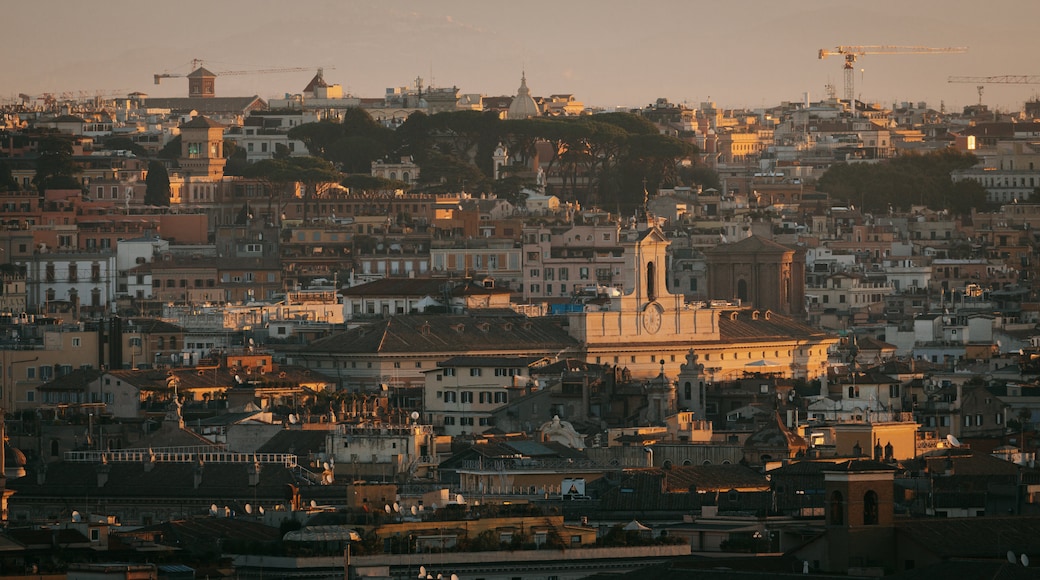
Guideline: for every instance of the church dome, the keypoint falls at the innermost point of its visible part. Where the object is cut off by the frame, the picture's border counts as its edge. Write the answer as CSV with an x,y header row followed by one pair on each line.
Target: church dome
x,y
523,106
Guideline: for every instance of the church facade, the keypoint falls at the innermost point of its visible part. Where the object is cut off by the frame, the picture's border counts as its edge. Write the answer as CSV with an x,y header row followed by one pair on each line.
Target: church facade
x,y
650,331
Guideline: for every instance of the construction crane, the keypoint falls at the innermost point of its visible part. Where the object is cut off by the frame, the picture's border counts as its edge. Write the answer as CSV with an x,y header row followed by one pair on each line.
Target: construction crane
x,y
981,82
851,53
227,73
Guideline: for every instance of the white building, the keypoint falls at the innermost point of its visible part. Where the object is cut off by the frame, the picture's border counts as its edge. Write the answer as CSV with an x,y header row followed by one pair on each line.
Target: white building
x,y
70,281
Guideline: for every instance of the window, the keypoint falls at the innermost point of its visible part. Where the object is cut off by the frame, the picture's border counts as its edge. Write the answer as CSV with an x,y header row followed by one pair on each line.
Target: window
x,y
450,396
467,397
870,508
837,509
76,341
449,372
449,420
475,372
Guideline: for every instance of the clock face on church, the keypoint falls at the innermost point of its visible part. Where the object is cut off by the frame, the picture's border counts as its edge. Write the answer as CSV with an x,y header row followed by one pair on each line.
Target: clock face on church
x,y
652,318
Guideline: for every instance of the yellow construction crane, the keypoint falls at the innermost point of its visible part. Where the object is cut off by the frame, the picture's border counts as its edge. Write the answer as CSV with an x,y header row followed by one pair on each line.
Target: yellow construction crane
x,y
851,53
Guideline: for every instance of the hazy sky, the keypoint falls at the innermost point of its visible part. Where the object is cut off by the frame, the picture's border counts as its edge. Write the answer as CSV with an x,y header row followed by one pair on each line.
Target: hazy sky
x,y
606,52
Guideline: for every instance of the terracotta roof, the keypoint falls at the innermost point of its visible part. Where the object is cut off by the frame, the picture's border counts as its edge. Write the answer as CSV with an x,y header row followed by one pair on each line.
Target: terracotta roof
x,y
171,480
713,478
77,380
978,537
206,105
741,325
750,245
202,122
449,333
200,72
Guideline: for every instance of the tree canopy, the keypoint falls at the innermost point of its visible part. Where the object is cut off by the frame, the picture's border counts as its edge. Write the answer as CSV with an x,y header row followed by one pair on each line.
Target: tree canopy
x,y
55,168
910,179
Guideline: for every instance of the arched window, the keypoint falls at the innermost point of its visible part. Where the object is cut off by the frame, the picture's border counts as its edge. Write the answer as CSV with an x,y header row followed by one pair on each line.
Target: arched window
x,y
651,293
837,509
870,508
742,294
688,390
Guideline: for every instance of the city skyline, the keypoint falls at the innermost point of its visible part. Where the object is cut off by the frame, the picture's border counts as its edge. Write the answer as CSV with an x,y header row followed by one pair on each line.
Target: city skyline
x,y
608,54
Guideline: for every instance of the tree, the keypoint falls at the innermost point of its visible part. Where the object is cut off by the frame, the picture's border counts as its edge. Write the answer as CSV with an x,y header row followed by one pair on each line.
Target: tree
x,y
7,180
172,149
157,185
55,168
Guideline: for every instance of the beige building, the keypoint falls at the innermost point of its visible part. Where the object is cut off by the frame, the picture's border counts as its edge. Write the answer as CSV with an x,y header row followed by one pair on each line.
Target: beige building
x,y
648,330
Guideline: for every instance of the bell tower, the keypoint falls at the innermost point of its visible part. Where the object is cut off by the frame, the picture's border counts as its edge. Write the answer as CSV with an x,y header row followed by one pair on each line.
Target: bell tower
x,y
859,508
202,148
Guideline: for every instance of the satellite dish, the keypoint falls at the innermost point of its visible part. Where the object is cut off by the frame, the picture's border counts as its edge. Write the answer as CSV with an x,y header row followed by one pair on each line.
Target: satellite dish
x,y
261,510
458,498
1025,560
953,441
76,517
249,509
414,510
1011,557
790,395
292,419
314,503
422,507
325,465
213,509
227,512
454,577
433,506
397,508
415,415
238,379
422,571
386,508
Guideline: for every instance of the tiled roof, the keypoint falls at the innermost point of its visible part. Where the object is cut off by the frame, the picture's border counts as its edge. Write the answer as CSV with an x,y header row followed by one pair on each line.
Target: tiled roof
x,y
299,442
713,478
749,245
979,537
206,105
743,327
203,535
171,480
202,122
489,361
77,380
449,333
